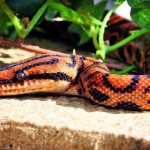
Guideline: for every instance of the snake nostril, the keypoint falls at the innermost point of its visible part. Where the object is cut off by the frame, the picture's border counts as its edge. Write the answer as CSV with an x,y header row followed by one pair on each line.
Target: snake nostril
x,y
20,76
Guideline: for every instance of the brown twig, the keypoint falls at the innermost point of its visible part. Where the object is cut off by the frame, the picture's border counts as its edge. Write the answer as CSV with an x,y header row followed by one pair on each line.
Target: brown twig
x,y
31,48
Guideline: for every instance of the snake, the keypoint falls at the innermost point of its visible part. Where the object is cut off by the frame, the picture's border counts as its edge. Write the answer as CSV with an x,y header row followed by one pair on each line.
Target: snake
x,y
136,52
76,75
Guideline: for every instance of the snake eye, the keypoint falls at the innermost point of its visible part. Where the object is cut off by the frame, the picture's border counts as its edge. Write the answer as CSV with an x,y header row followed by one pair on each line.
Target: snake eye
x,y
20,76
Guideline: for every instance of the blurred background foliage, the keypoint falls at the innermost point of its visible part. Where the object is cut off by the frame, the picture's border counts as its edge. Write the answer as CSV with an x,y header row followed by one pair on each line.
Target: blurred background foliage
x,y
73,21
55,18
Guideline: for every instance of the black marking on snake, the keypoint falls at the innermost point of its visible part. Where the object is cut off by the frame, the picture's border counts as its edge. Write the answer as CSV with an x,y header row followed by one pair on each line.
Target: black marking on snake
x,y
121,22
128,88
53,76
130,50
7,81
98,62
92,75
113,39
52,61
138,55
147,89
82,86
128,28
82,59
21,63
79,91
95,66
80,69
122,54
118,32
78,79
127,106
98,95
30,60
88,68
92,84
73,59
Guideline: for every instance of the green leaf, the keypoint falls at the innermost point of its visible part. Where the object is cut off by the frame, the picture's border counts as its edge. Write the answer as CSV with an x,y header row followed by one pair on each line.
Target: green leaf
x,y
119,1
5,24
137,3
26,8
140,12
141,17
83,4
80,17
50,14
99,9
87,5
94,9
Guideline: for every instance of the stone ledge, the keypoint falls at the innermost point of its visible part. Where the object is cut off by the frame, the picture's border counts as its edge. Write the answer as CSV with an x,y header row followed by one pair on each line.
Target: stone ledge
x,y
60,122
30,137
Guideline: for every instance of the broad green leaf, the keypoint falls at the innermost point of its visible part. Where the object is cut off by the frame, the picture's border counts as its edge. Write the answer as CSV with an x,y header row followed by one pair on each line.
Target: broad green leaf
x,y
137,3
99,9
87,5
95,9
6,27
141,17
84,14
4,23
79,17
140,12
82,4
25,8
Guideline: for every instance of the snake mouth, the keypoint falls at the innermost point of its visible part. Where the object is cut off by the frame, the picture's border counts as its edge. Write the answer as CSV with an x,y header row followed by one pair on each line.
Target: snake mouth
x,y
24,82
33,86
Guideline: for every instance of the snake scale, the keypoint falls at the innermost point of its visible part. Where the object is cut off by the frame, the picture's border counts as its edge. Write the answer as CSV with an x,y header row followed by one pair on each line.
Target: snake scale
x,y
76,75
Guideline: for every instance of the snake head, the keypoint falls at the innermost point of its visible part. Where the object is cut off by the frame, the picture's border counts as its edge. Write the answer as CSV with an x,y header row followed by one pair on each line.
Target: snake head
x,y
42,73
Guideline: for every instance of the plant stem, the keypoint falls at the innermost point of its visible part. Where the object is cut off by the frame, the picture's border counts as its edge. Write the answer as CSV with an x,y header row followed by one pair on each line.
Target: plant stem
x,y
37,17
124,71
104,23
15,20
21,31
94,37
126,40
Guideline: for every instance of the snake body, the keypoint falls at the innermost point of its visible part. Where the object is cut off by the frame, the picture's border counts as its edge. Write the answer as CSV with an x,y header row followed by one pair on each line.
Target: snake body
x,y
137,52
84,76
76,75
